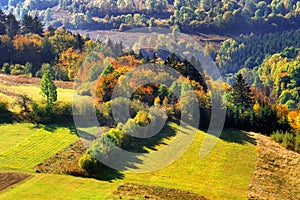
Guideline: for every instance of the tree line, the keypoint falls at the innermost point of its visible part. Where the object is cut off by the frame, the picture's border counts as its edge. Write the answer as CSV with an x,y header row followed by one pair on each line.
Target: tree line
x,y
215,16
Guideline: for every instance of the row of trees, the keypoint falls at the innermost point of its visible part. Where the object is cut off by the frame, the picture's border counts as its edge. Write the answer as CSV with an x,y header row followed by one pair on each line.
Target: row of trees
x,y
235,16
247,108
10,26
279,76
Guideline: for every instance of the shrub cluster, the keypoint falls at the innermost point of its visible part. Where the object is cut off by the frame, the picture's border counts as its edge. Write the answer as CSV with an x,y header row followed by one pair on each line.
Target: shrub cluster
x,y
57,113
290,141
91,165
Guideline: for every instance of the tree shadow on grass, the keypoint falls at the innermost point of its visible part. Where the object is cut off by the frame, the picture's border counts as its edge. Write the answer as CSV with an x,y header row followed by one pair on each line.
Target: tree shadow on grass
x,y
6,118
237,136
130,161
141,143
109,174
53,127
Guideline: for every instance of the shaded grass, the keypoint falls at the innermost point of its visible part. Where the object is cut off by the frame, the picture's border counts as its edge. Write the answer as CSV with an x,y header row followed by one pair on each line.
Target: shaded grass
x,y
237,136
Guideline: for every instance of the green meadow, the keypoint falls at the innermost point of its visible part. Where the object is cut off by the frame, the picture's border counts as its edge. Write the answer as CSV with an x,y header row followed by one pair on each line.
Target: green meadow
x,y
224,174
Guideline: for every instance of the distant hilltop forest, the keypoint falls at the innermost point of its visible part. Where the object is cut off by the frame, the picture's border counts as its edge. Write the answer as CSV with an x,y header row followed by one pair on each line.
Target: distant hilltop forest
x,y
213,16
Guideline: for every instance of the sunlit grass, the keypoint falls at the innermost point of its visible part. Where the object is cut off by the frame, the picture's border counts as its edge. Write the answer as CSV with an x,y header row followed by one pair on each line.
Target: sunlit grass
x,y
224,174
50,186
24,148
33,92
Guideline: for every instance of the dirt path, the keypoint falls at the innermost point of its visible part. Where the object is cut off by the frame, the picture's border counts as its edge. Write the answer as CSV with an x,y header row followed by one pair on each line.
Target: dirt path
x,y
277,174
10,179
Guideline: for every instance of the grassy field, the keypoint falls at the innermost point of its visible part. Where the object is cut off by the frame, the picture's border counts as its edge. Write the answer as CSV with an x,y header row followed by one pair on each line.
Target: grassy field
x,y
33,92
22,146
51,186
224,174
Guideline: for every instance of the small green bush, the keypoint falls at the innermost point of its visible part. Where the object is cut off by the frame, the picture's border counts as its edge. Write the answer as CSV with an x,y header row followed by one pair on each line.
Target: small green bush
x,y
62,111
18,69
277,136
288,141
91,165
6,68
142,118
87,163
116,135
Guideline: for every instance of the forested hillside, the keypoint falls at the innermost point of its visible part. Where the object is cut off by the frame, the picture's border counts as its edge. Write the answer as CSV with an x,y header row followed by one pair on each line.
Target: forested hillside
x,y
214,16
249,51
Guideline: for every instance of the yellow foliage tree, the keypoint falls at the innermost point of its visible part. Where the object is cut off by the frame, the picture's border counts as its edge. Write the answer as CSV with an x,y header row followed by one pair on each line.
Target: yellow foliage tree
x,y
294,119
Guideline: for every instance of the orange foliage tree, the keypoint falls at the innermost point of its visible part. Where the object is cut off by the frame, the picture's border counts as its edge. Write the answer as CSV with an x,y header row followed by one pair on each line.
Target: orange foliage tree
x,y
28,49
68,64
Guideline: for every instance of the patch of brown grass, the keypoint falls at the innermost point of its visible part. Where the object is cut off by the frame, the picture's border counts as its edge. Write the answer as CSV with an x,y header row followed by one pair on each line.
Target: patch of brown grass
x,y
277,174
138,191
65,161
8,179
26,80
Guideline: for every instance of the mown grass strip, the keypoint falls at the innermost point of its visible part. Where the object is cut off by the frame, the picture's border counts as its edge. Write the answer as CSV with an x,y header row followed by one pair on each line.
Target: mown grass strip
x,y
35,148
50,186
13,134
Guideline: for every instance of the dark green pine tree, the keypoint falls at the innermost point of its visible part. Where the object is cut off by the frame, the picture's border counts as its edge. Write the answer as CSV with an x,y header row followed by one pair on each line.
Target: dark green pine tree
x,y
32,25
27,24
12,25
242,96
2,23
48,88
38,27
